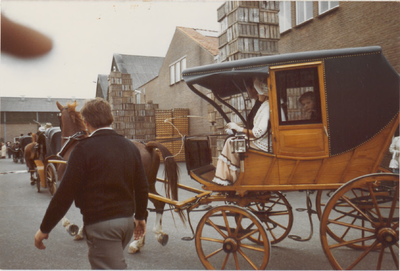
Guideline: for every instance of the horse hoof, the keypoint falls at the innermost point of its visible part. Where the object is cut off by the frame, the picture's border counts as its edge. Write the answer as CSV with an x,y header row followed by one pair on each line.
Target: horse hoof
x,y
33,183
78,237
162,239
135,246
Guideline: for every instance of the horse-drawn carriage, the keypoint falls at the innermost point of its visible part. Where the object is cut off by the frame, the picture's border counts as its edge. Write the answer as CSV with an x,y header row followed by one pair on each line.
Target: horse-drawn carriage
x,y
18,147
341,150
43,172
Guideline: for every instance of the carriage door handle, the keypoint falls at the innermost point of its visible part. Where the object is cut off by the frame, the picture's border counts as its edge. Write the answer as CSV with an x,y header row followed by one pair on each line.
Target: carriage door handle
x,y
326,132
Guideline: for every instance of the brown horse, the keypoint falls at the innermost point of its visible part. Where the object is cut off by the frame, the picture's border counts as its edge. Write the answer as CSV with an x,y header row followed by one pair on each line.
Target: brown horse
x,y
71,123
30,154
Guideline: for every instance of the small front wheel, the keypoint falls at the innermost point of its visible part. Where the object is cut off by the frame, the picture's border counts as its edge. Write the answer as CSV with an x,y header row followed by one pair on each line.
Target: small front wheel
x,y
51,178
222,240
37,180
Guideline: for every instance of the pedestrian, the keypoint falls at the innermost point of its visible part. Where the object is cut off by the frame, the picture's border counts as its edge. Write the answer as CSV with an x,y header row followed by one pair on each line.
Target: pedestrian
x,y
8,145
3,150
106,179
394,149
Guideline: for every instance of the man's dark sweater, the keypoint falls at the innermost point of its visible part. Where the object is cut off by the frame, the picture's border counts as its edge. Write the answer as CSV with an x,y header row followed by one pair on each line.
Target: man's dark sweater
x,y
106,179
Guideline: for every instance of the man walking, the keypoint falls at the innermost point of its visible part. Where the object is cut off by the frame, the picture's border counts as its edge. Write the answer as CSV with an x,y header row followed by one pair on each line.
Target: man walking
x,y
106,179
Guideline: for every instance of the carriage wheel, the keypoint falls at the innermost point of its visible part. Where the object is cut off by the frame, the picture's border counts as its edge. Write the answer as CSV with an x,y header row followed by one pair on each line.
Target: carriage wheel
x,y
321,199
51,178
363,212
276,214
222,239
37,180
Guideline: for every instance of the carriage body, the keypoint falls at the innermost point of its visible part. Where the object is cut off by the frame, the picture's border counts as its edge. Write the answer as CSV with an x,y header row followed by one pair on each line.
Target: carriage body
x,y
339,150
357,94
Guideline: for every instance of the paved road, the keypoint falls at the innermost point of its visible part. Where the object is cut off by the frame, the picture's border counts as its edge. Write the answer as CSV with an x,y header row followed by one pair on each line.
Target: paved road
x,y
22,210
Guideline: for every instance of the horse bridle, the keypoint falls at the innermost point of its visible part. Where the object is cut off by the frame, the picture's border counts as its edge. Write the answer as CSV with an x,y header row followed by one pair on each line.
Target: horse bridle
x,y
70,139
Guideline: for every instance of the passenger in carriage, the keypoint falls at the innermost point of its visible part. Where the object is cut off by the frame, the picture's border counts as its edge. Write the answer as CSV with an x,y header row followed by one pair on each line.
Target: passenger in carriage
x,y
309,104
228,165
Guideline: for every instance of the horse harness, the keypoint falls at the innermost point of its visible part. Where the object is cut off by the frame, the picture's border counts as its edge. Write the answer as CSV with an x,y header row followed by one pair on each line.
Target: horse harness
x,y
70,140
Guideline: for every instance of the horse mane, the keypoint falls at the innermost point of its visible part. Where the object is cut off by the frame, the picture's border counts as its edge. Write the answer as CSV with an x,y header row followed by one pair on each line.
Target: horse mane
x,y
76,116
34,137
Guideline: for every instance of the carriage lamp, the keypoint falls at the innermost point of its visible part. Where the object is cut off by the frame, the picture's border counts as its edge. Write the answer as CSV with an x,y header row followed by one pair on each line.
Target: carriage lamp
x,y
238,145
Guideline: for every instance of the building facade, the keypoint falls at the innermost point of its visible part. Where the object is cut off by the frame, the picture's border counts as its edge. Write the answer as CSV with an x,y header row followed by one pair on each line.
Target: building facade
x,y
320,25
19,115
189,48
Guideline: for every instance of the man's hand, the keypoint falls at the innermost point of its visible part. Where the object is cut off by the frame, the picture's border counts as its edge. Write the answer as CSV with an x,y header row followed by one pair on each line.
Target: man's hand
x,y
39,237
140,229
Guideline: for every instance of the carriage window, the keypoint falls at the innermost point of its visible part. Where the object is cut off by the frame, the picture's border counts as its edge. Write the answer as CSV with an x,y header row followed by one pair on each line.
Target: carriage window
x,y
298,93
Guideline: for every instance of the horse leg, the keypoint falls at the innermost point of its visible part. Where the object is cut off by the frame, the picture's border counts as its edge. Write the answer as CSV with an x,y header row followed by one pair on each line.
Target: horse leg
x,y
160,235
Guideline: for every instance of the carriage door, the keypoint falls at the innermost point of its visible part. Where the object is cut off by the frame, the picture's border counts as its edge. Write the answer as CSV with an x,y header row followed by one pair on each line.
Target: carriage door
x,y
299,111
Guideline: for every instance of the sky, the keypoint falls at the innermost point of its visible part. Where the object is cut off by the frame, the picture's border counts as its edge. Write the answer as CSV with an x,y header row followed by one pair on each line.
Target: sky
x,y
85,36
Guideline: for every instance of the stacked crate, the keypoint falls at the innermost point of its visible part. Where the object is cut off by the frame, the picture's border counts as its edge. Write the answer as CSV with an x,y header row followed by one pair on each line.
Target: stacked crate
x,y
172,124
134,121
249,29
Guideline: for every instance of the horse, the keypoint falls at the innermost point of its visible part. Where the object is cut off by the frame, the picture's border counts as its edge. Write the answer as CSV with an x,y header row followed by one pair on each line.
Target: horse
x,y
30,155
71,123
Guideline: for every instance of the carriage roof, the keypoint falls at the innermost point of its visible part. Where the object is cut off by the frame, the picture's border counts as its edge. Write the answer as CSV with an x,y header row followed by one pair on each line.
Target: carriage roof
x,y
53,140
361,88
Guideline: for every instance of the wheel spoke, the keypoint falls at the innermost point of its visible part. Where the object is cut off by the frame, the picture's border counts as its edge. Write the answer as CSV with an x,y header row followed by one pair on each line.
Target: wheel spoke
x,y
390,218
375,203
226,223
358,209
395,257
380,258
216,228
236,261
225,261
365,253
260,249
350,225
352,242
211,239
247,259
213,253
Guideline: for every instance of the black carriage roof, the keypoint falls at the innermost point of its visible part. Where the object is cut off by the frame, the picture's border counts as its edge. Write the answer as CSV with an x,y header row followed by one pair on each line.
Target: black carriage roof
x,y
362,88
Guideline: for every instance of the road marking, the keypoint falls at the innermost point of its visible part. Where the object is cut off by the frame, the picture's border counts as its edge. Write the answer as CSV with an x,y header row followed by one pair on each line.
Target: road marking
x,y
18,171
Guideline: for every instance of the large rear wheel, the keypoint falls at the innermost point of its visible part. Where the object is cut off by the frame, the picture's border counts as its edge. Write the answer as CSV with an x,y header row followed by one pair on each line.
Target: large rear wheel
x,y
222,239
363,214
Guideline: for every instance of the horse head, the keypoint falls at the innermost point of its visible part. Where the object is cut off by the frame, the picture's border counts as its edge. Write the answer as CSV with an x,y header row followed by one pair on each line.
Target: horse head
x,y
71,121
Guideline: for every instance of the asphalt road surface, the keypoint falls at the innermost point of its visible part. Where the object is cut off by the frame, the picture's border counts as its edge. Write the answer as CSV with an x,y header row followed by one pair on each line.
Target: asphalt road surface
x,y
22,209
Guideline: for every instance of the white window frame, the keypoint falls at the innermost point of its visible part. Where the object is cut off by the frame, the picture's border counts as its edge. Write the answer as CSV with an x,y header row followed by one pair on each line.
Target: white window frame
x,y
331,5
301,7
175,71
285,15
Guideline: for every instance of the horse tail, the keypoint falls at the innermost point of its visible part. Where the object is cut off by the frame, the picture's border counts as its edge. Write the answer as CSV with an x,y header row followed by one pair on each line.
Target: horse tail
x,y
171,170
171,173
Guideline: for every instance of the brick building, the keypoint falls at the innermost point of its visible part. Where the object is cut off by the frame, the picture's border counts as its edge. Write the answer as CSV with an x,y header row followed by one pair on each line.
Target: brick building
x,y
189,48
308,26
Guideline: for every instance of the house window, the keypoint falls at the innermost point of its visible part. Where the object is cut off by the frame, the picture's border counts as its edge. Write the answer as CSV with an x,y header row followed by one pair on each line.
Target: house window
x,y
324,6
304,11
175,70
285,16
